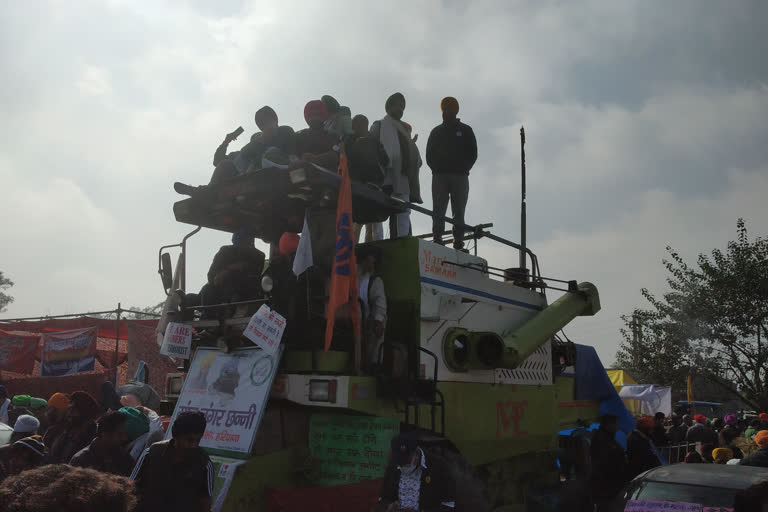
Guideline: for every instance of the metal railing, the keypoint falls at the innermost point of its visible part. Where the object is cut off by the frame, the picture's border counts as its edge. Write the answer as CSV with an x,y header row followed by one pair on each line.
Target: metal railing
x,y
676,453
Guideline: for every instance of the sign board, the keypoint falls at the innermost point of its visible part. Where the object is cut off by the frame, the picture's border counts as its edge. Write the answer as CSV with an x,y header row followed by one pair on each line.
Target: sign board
x,y
223,474
68,352
656,506
17,353
232,390
265,329
177,341
350,448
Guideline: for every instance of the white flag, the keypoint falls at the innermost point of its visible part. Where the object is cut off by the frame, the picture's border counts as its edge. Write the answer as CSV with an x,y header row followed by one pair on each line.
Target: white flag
x,y
303,259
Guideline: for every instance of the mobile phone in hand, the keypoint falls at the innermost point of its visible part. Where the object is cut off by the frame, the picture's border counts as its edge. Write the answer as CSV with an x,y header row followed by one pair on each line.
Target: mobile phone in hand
x,y
238,132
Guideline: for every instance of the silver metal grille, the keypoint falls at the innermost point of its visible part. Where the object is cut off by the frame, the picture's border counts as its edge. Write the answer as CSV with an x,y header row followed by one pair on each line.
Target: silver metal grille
x,y
537,369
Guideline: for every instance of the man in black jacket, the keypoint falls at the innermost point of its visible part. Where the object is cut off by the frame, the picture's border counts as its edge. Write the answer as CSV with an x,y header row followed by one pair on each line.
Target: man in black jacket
x,y
415,480
451,153
609,462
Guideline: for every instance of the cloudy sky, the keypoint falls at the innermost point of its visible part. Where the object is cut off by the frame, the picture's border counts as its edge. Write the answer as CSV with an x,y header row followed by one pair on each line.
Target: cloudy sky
x,y
646,123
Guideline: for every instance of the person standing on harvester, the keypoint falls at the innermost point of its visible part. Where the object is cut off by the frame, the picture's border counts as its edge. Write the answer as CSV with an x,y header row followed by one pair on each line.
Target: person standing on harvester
x,y
451,153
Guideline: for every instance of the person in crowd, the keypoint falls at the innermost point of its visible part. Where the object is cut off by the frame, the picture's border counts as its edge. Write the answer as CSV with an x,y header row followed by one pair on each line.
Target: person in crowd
x,y
717,425
63,488
176,475
5,404
15,412
688,420
24,454
76,431
722,455
693,458
367,164
763,421
314,144
367,158
706,452
144,428
26,426
678,430
109,399
642,454
415,480
700,432
250,157
729,434
659,434
451,153
106,452
339,122
54,412
609,462
396,139
234,275
758,458
373,301
752,429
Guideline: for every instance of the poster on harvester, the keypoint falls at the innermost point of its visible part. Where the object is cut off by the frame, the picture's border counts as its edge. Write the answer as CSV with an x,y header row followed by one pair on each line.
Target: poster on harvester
x,y
68,352
350,448
231,389
17,353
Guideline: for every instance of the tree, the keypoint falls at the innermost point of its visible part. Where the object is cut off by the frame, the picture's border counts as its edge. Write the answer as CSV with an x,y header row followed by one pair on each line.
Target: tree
x,y
5,299
711,322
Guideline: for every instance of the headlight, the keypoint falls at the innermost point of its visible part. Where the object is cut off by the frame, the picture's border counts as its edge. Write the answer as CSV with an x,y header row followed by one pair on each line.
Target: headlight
x,y
267,284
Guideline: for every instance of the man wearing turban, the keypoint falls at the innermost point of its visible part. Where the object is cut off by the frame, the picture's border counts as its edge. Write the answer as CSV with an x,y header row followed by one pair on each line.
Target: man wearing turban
x,y
77,429
700,432
642,454
451,153
314,144
760,457
402,170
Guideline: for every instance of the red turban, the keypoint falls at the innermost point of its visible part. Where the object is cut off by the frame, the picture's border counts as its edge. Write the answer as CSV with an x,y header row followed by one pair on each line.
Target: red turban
x,y
699,418
645,423
315,109
86,404
289,243
764,417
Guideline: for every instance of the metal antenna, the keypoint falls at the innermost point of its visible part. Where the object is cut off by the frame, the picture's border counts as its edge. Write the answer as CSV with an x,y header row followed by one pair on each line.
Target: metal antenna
x,y
522,206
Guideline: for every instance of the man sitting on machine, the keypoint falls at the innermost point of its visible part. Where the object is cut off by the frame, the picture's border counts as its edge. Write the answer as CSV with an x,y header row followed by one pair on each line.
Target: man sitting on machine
x,y
234,275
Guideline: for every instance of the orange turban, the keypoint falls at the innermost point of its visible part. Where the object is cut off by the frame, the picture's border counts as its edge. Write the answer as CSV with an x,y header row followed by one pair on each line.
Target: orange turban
x,y
761,439
59,401
289,243
450,104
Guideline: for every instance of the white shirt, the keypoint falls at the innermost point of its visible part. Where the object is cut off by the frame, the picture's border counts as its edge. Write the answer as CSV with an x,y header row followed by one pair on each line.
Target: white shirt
x,y
378,306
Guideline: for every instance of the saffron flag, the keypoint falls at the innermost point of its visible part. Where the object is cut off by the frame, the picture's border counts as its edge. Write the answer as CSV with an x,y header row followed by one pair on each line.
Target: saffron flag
x,y
344,286
690,393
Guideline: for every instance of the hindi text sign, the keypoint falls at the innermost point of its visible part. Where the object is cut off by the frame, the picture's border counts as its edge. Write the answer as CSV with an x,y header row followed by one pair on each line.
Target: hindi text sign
x,y
265,329
231,389
350,448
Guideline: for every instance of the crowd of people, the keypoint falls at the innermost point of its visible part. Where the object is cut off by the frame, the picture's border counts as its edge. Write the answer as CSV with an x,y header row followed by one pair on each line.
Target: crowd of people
x,y
110,451
385,154
658,440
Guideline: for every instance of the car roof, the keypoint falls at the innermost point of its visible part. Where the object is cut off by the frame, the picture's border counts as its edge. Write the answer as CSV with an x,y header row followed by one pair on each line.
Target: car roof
x,y
709,475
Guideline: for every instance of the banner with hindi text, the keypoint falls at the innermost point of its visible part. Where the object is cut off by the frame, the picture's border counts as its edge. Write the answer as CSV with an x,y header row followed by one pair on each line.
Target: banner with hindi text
x,y
68,352
231,389
350,448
